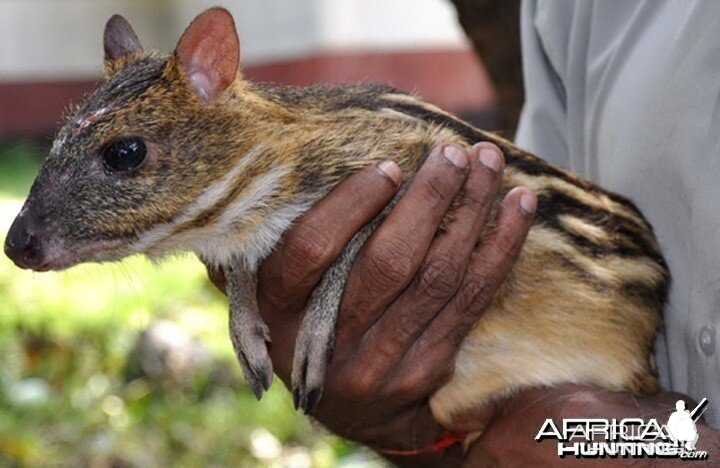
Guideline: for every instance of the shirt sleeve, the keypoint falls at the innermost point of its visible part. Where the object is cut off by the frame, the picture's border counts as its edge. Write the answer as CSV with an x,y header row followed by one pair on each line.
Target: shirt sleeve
x,y
542,128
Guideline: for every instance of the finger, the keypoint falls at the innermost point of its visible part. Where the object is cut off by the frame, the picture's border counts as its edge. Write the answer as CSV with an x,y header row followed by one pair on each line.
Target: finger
x,y
439,343
288,275
444,266
390,257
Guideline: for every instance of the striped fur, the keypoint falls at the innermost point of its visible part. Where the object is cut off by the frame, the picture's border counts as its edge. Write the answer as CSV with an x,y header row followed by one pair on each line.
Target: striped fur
x,y
582,303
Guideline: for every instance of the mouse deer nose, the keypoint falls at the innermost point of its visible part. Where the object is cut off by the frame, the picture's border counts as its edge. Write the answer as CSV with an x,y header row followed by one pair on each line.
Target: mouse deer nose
x,y
22,246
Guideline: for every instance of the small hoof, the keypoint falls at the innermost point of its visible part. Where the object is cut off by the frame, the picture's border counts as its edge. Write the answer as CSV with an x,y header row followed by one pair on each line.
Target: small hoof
x,y
308,376
312,399
251,351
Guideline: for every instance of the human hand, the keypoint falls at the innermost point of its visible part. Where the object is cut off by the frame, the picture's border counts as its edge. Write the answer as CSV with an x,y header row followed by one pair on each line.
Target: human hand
x,y
509,439
411,296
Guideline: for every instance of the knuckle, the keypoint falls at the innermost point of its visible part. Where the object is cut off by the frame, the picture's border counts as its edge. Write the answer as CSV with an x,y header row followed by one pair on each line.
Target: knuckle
x,y
388,352
475,294
439,278
436,191
406,331
479,198
390,264
409,385
505,245
475,201
309,247
360,386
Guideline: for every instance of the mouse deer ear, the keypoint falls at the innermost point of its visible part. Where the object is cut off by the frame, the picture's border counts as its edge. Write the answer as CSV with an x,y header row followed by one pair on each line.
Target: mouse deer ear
x,y
121,44
208,53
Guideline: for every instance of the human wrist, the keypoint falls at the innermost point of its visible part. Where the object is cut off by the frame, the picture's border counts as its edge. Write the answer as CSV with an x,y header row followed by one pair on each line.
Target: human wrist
x,y
410,430
414,438
451,457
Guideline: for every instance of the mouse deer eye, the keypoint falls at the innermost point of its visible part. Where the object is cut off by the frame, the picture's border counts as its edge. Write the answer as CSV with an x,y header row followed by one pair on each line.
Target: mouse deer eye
x,y
124,154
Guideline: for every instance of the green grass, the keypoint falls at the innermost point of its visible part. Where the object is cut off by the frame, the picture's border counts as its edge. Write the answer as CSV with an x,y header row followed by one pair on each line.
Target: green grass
x,y
67,392
19,162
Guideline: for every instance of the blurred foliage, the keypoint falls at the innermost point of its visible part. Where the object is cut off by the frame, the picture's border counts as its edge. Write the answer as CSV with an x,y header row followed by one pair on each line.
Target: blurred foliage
x,y
68,398
19,162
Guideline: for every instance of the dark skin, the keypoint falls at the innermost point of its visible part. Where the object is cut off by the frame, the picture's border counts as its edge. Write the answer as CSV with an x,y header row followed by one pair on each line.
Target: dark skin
x,y
411,298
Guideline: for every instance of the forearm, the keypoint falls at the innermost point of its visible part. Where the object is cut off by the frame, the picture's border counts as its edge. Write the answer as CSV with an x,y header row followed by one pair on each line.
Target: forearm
x,y
510,438
709,440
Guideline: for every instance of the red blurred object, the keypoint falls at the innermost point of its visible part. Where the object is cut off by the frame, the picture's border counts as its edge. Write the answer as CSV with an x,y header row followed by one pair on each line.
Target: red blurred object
x,y
453,79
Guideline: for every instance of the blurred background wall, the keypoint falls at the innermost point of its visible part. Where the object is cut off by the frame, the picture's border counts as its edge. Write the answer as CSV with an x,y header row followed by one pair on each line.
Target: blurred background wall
x,y
51,50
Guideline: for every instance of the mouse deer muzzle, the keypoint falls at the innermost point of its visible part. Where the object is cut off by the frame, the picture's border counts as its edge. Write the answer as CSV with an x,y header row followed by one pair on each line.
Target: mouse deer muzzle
x,y
34,242
24,245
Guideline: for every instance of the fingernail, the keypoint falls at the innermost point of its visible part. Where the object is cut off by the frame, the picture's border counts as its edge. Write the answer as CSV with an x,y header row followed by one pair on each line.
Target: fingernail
x,y
490,159
391,170
456,156
528,202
